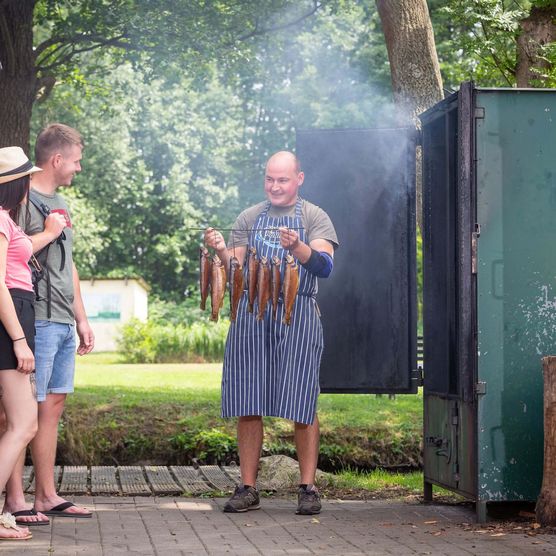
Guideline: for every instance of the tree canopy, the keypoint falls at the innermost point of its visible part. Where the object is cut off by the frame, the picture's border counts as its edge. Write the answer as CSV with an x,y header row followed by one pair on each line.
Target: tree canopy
x,y
180,102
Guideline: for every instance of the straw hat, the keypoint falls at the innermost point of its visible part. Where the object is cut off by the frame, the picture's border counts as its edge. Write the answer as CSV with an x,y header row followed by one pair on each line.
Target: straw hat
x,y
15,164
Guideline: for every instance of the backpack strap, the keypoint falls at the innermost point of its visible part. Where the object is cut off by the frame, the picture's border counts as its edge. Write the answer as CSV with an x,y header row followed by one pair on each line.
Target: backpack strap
x,y
44,209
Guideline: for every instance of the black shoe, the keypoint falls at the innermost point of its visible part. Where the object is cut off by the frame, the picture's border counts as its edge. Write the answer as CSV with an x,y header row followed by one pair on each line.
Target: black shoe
x,y
308,501
243,499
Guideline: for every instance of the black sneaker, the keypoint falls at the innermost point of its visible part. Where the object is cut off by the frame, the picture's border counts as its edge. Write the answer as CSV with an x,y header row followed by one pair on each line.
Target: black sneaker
x,y
243,499
308,501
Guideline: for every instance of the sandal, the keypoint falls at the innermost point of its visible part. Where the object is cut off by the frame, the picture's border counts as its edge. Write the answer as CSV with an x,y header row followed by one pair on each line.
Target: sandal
x,y
29,513
7,521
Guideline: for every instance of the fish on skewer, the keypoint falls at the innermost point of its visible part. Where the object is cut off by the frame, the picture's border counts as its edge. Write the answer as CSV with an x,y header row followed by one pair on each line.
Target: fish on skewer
x,y
275,284
205,269
253,267
217,287
290,287
236,286
263,287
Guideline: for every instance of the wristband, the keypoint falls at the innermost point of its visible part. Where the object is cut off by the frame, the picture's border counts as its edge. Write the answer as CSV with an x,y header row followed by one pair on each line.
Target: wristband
x,y
320,263
22,338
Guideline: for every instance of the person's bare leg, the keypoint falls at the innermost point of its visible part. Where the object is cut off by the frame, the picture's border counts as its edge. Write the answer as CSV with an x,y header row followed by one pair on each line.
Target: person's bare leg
x,y
307,439
15,497
250,442
20,408
43,450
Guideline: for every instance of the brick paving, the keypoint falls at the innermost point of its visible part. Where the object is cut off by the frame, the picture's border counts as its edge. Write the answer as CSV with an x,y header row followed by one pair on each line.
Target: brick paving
x,y
168,526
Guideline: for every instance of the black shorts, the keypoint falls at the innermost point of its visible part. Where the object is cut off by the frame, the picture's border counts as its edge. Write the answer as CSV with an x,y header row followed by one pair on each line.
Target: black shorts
x,y
24,303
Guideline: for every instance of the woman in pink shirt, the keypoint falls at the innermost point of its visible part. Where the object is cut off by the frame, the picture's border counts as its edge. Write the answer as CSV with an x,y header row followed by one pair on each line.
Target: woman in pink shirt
x,y
17,326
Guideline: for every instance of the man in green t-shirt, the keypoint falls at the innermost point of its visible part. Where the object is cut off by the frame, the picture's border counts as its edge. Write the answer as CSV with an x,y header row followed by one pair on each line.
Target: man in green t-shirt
x,y
59,314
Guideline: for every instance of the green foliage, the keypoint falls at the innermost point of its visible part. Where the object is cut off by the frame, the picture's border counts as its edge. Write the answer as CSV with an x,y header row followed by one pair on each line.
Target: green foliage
x,y
149,342
212,446
480,40
186,312
169,150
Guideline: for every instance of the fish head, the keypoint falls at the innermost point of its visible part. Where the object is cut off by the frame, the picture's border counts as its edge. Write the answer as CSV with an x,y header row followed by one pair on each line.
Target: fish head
x,y
252,251
276,261
216,260
290,259
264,261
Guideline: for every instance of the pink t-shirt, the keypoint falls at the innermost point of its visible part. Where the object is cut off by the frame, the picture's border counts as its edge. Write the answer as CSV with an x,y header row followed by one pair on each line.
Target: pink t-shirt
x,y
20,249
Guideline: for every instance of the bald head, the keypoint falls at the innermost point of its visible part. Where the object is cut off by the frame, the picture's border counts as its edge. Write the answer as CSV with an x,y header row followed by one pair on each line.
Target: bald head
x,y
285,158
283,178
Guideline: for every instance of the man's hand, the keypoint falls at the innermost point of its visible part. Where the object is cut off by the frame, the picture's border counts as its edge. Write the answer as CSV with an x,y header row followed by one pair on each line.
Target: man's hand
x,y
215,240
54,224
86,338
289,239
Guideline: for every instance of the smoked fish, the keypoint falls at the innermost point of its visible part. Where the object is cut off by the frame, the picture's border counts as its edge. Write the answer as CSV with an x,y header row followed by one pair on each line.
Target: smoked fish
x,y
205,269
253,267
236,286
291,285
275,284
217,287
263,287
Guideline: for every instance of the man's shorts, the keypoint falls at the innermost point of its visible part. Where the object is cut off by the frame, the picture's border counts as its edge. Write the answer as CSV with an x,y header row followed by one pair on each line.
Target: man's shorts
x,y
54,358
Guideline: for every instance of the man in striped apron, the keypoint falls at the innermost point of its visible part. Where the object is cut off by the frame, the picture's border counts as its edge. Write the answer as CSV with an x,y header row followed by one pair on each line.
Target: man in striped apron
x,y
272,368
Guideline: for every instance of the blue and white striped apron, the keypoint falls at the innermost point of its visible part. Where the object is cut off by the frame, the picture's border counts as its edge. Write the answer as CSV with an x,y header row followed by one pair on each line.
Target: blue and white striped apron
x,y
270,368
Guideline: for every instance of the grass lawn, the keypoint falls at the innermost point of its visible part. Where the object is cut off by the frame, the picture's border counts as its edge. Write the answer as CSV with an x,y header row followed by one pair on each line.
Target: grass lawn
x,y
170,413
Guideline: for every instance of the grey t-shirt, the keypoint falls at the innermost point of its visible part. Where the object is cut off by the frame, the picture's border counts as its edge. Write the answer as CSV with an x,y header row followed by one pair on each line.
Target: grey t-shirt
x,y
316,222
61,281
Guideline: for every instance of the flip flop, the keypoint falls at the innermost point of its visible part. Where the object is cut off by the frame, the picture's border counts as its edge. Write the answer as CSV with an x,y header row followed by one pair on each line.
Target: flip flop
x,y
8,522
26,513
59,511
26,538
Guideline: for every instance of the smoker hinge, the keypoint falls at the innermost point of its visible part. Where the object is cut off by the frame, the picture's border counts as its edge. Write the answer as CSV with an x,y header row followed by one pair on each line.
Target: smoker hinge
x,y
455,414
479,113
474,241
480,388
417,375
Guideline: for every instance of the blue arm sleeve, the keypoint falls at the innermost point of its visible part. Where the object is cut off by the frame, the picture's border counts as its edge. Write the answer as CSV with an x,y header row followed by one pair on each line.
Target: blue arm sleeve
x,y
320,263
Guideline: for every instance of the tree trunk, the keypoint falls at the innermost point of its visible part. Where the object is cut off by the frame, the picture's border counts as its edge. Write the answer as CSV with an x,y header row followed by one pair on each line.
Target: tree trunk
x,y
416,80
18,76
414,68
537,30
546,504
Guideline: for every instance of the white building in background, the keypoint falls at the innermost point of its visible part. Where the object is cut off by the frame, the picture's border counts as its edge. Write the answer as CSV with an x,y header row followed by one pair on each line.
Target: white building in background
x,y
111,303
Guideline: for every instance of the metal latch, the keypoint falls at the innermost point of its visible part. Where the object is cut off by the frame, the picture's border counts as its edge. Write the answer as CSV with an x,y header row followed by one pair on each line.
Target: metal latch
x,y
481,388
417,375
436,441
441,445
479,113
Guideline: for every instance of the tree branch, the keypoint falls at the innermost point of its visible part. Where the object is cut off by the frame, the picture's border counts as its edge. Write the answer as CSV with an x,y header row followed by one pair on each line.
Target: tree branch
x,y
49,54
70,43
46,83
316,6
77,39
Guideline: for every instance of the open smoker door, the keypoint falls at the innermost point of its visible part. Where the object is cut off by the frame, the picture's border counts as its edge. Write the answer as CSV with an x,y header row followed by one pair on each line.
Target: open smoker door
x,y
365,180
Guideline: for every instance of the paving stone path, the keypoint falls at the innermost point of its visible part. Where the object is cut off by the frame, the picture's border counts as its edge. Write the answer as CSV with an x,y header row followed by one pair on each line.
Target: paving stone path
x,y
167,526
157,511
